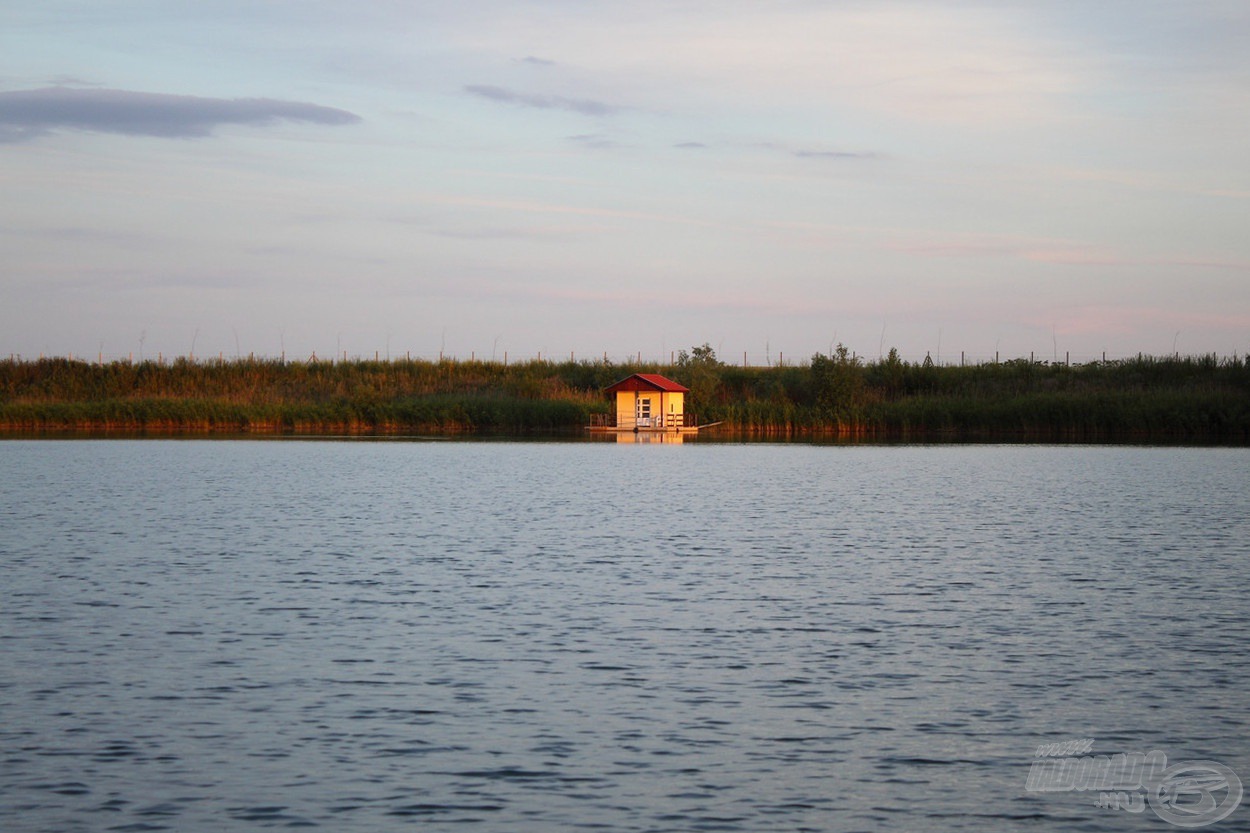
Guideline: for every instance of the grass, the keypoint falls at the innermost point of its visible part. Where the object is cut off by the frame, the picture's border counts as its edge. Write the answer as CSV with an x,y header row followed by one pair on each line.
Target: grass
x,y
1202,398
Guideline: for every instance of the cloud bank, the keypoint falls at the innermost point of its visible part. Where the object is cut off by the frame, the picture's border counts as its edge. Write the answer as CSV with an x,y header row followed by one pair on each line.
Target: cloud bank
x,y
28,114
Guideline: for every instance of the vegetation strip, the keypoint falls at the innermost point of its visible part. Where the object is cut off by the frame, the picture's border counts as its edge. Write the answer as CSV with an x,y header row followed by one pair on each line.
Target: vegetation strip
x,y
1202,398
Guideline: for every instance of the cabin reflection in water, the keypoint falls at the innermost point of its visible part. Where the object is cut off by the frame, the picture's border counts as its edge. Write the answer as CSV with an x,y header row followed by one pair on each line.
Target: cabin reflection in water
x,y
670,437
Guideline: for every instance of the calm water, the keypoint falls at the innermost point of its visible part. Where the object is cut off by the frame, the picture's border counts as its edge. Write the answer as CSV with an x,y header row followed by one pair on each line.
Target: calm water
x,y
360,636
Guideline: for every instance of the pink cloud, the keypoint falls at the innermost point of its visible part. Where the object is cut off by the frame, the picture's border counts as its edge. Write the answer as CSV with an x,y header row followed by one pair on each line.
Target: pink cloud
x,y
1058,252
1118,320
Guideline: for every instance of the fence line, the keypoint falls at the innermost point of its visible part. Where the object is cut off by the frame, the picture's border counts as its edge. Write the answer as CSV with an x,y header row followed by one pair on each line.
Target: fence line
x,y
745,359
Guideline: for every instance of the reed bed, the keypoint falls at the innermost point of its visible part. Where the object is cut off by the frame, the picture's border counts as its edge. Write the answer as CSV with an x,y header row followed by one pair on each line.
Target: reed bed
x,y
1200,398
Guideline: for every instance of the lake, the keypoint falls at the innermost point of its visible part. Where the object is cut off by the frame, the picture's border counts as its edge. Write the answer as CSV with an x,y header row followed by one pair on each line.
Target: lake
x,y
375,635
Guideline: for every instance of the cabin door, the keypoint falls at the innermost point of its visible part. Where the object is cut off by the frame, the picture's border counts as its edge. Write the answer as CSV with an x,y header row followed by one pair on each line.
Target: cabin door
x,y
642,412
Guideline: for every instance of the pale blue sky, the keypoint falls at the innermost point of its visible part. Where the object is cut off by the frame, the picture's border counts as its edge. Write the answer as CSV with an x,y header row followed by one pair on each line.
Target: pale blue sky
x,y
585,177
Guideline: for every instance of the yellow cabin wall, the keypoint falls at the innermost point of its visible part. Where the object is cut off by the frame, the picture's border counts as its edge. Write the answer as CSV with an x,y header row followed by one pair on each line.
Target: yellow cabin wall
x,y
671,405
624,409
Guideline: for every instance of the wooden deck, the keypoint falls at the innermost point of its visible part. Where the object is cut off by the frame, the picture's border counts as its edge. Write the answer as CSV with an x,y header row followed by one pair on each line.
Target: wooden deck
x,y
685,424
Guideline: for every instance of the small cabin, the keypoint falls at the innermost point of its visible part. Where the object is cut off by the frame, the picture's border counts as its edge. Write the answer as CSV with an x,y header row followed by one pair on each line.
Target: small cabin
x,y
650,402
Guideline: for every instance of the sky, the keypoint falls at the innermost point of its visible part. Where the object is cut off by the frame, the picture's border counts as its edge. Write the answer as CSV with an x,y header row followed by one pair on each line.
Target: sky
x,y
577,178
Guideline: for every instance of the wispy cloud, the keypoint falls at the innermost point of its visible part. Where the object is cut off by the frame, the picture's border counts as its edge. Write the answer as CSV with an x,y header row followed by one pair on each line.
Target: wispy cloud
x,y
598,141
585,106
28,114
1015,247
534,207
1060,253
1120,319
510,233
833,154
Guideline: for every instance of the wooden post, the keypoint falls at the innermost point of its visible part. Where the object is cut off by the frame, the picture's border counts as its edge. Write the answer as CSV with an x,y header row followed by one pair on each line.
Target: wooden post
x,y
744,358
961,358
1067,358
505,358
781,358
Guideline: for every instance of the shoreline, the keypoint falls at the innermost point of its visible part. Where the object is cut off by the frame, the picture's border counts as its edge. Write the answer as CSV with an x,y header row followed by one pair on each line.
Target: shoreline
x,y
807,435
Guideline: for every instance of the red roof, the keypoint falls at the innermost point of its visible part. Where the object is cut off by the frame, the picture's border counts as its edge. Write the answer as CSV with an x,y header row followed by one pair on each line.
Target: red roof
x,y
647,381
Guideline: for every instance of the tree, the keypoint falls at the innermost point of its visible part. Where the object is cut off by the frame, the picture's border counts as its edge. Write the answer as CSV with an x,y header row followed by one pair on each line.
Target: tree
x,y
701,372
837,384
703,356
892,373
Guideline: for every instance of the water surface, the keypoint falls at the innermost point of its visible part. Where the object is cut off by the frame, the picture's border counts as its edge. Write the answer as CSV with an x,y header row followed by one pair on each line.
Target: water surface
x,y
213,635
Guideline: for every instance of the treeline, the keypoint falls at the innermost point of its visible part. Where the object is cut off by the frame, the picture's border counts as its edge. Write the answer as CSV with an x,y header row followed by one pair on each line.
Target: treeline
x,y
1200,398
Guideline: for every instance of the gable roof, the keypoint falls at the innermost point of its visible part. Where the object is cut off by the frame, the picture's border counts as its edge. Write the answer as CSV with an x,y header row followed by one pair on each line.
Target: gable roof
x,y
647,381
